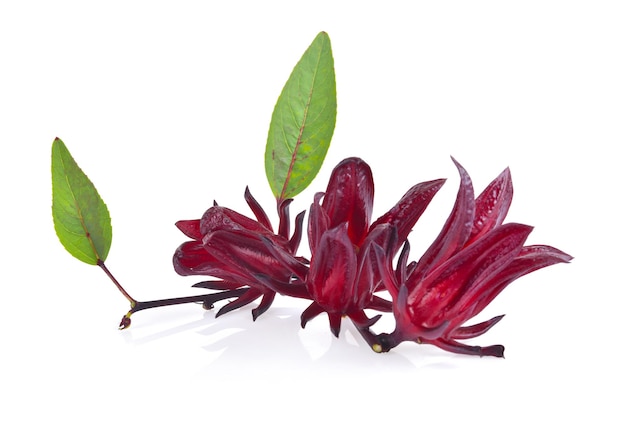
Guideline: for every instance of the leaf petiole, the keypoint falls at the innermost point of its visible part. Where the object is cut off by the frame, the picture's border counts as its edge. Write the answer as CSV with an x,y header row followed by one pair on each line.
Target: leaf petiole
x,y
132,301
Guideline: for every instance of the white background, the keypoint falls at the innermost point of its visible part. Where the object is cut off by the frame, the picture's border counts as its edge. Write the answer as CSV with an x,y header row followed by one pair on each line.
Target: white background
x,y
166,106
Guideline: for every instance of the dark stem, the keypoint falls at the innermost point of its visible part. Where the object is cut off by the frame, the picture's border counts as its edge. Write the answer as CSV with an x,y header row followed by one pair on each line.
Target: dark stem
x,y
136,306
370,338
363,324
385,342
140,306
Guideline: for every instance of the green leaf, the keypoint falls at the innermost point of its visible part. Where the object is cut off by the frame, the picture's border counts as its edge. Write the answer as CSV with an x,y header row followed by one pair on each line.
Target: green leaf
x,y
303,122
81,219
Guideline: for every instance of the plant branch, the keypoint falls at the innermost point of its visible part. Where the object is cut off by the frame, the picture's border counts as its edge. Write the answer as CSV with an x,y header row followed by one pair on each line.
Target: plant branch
x,y
135,305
